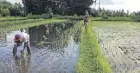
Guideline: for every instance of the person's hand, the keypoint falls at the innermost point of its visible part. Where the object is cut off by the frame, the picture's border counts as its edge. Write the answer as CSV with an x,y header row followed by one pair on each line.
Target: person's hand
x,y
21,51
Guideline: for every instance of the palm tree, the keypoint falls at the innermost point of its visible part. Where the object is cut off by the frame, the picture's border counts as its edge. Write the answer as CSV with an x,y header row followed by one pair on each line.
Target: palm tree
x,y
94,1
99,3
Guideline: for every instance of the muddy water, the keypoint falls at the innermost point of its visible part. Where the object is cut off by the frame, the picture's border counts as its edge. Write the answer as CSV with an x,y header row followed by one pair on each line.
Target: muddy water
x,y
121,47
54,50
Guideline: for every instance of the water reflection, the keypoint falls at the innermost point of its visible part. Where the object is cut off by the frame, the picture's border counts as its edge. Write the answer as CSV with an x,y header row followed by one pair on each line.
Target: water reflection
x,y
58,54
2,39
50,35
22,65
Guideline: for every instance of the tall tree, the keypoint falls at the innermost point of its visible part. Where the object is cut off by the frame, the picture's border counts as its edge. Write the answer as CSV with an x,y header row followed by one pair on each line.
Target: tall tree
x,y
79,6
57,6
17,10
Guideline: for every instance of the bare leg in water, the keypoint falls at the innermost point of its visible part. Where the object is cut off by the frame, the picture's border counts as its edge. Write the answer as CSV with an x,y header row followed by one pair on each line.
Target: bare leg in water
x,y
15,50
27,45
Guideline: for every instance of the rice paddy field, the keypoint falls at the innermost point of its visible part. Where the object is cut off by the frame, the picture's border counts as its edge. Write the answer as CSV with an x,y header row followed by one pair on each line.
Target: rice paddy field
x,y
90,58
61,45
120,44
22,22
54,45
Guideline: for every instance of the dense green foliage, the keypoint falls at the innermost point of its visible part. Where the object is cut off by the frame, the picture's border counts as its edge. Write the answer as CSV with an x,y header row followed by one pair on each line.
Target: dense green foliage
x,y
90,58
115,14
63,7
6,9
112,19
109,13
49,8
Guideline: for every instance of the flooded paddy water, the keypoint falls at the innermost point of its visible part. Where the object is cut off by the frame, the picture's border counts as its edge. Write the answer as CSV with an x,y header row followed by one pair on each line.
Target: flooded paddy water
x,y
120,44
54,50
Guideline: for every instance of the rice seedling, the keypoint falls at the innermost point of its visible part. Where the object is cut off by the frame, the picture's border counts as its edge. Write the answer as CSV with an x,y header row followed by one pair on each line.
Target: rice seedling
x,y
5,70
12,68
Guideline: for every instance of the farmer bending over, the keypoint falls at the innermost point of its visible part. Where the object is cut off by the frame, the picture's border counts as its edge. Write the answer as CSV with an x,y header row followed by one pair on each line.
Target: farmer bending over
x,y
21,39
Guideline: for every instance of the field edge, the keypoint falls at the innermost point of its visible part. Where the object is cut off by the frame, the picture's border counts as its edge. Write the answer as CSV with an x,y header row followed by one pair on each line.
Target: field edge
x,y
90,58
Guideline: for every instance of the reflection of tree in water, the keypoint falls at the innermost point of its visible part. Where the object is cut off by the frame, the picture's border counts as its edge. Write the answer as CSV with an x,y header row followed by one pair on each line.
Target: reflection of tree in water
x,y
54,35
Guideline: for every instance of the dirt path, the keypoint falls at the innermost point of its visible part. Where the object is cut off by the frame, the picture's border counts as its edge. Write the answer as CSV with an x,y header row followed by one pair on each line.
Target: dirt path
x,y
121,47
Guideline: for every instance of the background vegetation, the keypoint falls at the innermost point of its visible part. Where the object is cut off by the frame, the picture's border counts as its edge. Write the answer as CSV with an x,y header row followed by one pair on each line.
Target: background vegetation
x,y
52,8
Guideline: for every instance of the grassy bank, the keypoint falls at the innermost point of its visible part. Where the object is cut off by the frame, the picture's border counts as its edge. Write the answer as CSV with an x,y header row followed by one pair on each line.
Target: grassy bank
x,y
90,58
18,25
3,19
112,19
17,22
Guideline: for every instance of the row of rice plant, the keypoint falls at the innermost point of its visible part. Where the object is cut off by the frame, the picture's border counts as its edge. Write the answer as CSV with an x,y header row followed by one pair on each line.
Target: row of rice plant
x,y
75,17
7,23
3,19
27,25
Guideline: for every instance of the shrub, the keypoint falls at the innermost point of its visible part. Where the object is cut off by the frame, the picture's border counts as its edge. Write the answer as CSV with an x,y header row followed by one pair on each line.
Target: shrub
x,y
137,18
4,11
133,16
75,15
111,19
46,15
0,15
56,15
105,16
30,16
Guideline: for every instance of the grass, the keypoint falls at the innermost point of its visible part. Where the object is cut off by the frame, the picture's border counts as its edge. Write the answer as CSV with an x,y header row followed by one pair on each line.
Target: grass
x,y
112,19
90,58
2,19
69,17
17,22
27,25
114,24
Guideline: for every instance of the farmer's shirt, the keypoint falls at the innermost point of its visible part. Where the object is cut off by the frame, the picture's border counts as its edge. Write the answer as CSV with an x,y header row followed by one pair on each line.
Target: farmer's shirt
x,y
25,37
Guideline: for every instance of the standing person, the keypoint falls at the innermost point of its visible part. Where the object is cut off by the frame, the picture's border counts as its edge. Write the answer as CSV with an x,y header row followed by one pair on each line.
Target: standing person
x,y
86,19
21,40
